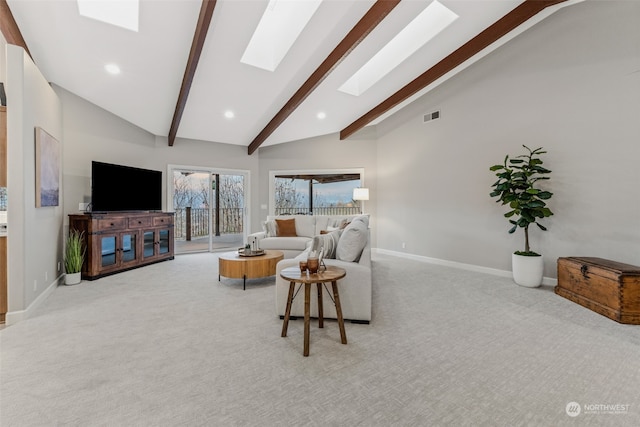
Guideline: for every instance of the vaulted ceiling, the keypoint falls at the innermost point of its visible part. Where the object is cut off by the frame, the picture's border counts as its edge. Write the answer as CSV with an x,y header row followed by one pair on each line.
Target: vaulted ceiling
x,y
182,76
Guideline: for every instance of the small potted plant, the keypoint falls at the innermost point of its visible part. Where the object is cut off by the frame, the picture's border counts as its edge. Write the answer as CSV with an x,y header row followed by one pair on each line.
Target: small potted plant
x,y
517,186
74,257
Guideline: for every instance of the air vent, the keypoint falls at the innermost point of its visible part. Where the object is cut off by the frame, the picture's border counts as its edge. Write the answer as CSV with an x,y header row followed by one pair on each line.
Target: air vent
x,y
431,116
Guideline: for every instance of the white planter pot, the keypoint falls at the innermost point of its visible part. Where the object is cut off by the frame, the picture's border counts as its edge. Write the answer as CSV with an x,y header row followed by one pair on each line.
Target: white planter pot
x,y
72,278
527,270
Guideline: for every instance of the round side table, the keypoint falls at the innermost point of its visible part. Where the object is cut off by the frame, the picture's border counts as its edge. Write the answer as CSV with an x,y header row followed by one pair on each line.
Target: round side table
x,y
330,274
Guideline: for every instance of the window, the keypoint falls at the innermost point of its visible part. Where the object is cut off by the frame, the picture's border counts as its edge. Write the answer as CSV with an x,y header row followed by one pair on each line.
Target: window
x,y
327,192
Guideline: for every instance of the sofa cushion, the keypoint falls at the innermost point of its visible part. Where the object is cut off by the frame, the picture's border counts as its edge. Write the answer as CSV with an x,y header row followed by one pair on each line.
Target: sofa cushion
x,y
285,243
338,223
286,227
352,241
326,223
306,225
321,224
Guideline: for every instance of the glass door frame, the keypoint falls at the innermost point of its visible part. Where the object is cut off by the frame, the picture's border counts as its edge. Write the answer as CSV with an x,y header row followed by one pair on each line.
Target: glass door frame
x,y
246,174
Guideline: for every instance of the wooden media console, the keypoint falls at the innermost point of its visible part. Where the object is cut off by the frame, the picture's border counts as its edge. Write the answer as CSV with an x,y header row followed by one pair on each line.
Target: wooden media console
x,y
119,241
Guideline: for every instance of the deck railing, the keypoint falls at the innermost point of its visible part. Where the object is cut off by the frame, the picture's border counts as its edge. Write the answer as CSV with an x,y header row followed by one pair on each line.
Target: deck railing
x,y
329,210
231,219
231,222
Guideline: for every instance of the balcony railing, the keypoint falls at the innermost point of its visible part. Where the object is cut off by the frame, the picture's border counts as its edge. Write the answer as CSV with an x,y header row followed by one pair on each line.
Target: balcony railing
x,y
330,210
231,222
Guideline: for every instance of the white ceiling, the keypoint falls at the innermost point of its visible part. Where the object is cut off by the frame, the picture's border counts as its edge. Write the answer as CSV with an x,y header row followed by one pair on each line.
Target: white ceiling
x,y
71,51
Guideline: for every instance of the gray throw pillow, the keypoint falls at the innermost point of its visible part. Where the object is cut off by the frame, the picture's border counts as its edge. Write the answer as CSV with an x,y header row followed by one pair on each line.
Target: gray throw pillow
x,y
352,242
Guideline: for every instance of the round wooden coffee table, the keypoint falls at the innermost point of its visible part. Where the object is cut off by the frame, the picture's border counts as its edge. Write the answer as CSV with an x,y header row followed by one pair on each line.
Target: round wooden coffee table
x,y
329,274
234,266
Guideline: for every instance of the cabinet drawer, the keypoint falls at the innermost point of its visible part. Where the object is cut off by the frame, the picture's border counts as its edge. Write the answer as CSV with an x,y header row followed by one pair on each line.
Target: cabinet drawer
x,y
162,220
112,223
139,222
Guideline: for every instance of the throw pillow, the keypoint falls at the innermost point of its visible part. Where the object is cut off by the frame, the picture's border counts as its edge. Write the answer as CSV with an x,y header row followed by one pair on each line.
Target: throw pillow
x,y
352,242
286,227
363,218
270,228
327,243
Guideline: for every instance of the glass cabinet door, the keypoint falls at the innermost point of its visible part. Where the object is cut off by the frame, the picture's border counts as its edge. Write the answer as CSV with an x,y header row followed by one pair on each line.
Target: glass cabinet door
x,y
164,241
128,247
108,244
148,244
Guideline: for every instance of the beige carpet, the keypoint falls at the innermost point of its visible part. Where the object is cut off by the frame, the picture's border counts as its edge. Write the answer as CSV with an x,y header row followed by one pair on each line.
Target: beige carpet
x,y
169,345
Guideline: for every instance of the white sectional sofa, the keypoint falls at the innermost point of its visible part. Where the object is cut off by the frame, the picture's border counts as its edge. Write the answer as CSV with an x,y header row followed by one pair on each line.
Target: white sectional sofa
x,y
354,288
307,226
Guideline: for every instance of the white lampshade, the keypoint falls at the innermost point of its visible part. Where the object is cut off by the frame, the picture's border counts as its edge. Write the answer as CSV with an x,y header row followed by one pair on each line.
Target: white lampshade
x,y
360,194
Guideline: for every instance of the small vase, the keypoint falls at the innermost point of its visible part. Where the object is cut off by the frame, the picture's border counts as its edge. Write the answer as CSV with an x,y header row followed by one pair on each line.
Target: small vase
x,y
72,278
312,265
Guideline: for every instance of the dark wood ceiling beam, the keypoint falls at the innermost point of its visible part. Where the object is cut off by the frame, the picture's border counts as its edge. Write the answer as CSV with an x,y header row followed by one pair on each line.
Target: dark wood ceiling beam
x,y
10,29
369,21
500,28
204,20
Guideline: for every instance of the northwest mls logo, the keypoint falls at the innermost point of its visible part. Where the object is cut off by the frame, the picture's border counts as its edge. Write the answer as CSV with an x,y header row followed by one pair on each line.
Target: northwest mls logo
x,y
573,409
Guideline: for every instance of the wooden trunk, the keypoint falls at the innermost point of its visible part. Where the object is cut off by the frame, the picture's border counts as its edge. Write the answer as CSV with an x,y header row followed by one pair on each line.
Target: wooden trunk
x,y
606,287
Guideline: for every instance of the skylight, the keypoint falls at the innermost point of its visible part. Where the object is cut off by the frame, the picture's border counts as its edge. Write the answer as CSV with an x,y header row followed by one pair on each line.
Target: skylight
x,y
428,24
279,27
122,13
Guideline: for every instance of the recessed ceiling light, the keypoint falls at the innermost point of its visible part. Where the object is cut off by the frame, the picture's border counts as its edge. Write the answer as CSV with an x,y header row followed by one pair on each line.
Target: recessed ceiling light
x,y
428,24
279,27
122,13
229,114
112,69
321,115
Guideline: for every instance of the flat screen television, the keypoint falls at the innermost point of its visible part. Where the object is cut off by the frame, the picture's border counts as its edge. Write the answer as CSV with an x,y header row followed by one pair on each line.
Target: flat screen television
x,y
124,188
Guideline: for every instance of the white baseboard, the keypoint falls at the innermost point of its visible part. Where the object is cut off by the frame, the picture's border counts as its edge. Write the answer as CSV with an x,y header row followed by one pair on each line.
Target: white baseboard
x,y
13,317
477,268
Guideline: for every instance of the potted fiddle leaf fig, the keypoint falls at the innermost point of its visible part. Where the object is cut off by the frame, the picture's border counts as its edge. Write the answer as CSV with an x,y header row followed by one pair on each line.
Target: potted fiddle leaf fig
x,y
517,187
74,257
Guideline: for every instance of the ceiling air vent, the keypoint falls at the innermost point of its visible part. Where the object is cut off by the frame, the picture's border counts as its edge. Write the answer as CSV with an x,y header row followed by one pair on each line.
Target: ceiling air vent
x,y
431,116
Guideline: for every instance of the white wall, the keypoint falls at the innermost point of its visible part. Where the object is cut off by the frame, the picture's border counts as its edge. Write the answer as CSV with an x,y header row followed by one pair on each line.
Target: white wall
x,y
92,133
570,84
34,235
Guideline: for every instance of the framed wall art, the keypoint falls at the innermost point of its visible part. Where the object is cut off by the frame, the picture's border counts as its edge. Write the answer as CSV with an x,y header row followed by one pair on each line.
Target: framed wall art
x,y
47,169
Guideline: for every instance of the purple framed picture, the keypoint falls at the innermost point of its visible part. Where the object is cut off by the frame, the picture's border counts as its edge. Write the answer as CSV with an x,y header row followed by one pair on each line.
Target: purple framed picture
x,y
47,169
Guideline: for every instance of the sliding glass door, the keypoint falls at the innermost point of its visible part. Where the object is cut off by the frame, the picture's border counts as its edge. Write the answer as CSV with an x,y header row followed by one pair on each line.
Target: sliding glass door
x,y
210,208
